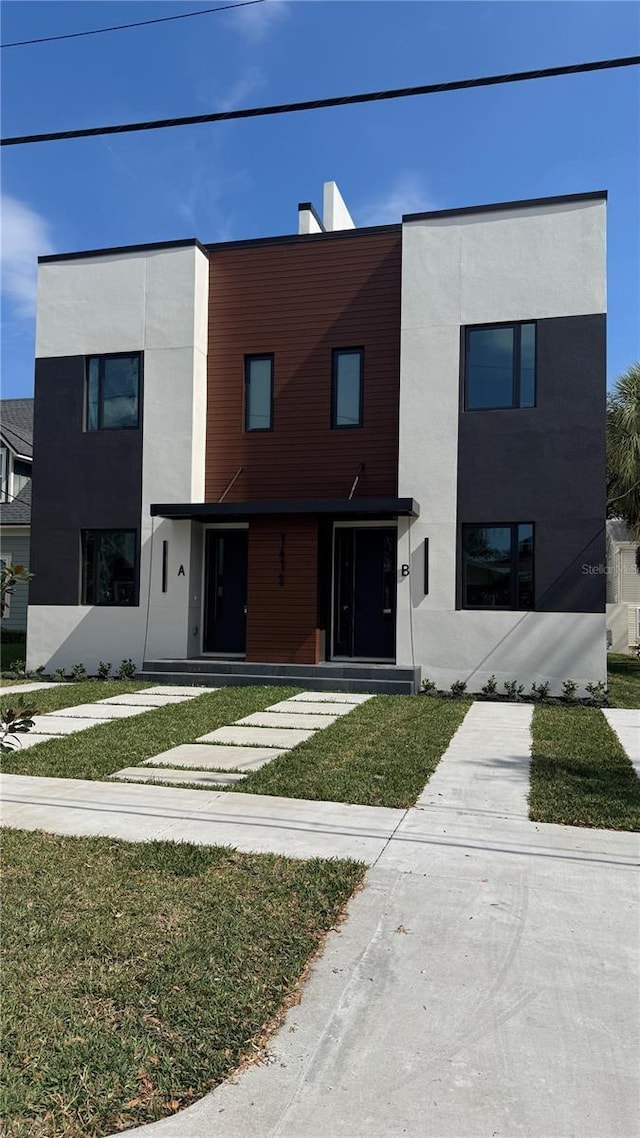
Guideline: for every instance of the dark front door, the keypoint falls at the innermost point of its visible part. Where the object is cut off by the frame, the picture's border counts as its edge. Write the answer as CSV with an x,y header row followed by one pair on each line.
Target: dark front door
x,y
364,605
225,605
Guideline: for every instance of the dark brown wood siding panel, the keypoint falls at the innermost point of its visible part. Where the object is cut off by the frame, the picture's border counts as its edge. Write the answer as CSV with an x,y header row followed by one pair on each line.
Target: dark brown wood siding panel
x,y
283,590
300,301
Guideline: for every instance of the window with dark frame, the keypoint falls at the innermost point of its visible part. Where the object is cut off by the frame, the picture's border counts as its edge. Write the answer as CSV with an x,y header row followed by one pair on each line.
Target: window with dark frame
x,y
346,387
109,567
497,566
113,392
500,366
258,393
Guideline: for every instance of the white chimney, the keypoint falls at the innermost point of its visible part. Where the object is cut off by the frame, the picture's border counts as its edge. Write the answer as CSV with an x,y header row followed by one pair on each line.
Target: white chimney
x,y
335,214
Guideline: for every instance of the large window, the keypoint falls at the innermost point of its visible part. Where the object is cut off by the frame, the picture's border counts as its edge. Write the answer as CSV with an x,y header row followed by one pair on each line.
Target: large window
x,y
113,392
258,398
500,366
497,566
109,573
346,398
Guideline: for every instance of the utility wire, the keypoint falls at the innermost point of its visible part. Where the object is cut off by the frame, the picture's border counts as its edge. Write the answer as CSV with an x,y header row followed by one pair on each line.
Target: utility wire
x,y
320,104
123,27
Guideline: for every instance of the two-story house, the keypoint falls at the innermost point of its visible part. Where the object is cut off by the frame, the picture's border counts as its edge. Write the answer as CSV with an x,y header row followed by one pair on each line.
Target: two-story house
x,y
16,457
345,456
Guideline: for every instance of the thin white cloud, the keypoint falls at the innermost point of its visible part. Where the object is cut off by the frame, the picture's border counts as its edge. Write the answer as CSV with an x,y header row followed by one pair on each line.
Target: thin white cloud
x,y
25,237
258,20
241,91
407,194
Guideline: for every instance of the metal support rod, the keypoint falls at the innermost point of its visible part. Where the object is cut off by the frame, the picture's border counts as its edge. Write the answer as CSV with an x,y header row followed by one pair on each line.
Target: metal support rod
x,y
356,480
233,480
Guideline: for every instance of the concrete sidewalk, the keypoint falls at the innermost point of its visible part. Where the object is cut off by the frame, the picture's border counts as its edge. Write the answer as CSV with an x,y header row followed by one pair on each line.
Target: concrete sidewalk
x,y
484,985
253,823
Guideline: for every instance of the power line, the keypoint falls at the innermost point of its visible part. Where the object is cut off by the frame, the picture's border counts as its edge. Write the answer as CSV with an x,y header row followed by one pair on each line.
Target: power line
x,y
320,104
139,24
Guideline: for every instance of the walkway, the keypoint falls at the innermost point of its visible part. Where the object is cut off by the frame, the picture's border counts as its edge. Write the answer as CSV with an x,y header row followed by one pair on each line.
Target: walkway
x,y
483,985
625,721
71,720
247,744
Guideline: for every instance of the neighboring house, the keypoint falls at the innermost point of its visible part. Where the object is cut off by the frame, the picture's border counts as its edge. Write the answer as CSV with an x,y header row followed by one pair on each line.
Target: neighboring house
x,y
342,457
16,457
623,588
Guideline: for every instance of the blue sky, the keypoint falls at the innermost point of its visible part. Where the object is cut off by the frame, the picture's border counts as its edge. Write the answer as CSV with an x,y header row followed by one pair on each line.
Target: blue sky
x,y
244,179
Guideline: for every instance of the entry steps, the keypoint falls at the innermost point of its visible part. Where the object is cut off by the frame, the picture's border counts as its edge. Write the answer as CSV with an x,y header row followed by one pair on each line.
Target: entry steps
x,y
378,679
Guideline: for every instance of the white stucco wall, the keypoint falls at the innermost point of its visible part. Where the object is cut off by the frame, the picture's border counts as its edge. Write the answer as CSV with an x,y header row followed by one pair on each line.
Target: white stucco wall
x,y
155,301
515,264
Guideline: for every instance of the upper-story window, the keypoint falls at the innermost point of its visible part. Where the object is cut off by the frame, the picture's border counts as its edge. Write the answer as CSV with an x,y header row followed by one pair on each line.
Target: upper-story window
x,y
258,394
497,566
113,392
500,366
346,393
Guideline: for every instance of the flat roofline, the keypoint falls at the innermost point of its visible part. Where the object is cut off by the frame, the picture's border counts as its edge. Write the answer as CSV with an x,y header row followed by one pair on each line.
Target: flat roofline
x,y
525,203
295,238
333,235
282,239
149,247
340,507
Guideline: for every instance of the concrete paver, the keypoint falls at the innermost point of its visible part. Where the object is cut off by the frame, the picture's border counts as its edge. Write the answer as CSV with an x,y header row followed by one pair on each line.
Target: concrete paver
x,y
56,724
176,689
37,685
216,757
300,707
331,697
167,774
32,740
143,699
279,719
282,737
98,711
625,721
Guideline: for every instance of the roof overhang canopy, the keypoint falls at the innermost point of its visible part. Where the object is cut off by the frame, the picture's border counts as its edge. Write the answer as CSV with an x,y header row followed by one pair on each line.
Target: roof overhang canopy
x,y
241,511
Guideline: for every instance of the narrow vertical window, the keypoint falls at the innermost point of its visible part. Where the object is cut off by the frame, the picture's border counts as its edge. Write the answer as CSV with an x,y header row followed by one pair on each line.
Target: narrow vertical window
x,y
165,565
258,403
346,401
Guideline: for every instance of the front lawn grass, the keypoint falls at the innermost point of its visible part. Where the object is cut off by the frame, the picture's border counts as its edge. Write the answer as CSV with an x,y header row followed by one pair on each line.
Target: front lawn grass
x,y
624,680
99,751
136,976
580,774
381,754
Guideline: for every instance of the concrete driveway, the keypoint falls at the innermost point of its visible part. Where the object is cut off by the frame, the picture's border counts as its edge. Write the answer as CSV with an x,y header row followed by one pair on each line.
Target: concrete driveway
x,y
484,985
